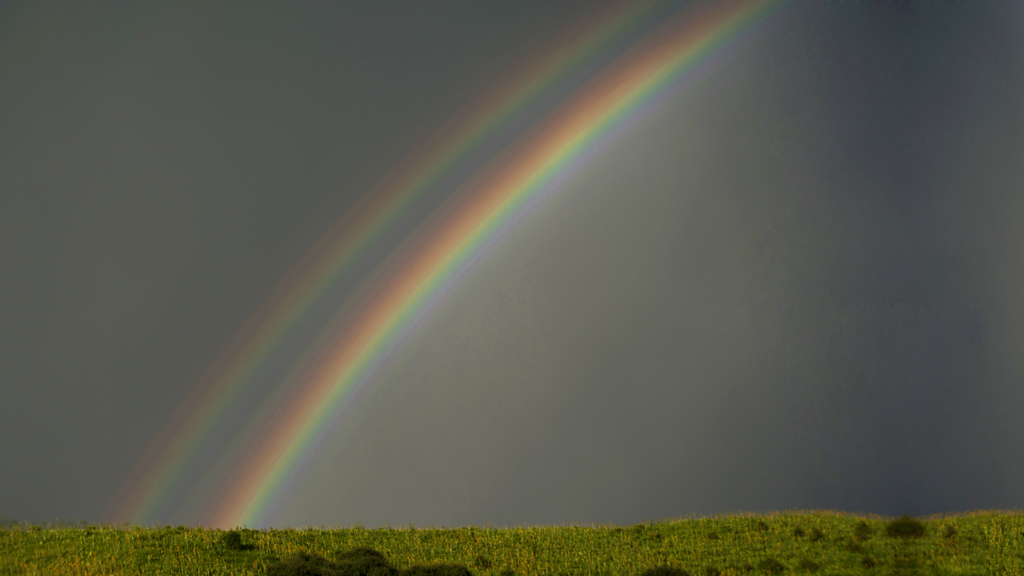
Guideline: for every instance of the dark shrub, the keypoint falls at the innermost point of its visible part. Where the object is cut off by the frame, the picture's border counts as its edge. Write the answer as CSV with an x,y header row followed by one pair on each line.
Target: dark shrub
x,y
761,527
362,555
302,565
363,561
482,562
232,540
905,527
867,562
712,536
798,532
949,532
712,571
359,562
816,535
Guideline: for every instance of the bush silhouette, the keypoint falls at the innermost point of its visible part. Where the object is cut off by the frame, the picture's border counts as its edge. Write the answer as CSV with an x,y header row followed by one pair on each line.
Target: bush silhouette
x,y
816,535
363,561
232,540
358,562
905,527
303,564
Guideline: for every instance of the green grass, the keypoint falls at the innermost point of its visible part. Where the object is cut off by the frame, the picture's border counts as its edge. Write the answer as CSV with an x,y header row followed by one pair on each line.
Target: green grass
x,y
796,542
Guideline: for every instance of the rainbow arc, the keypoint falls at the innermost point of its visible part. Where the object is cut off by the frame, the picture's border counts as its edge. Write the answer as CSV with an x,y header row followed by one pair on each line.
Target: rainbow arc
x,y
397,266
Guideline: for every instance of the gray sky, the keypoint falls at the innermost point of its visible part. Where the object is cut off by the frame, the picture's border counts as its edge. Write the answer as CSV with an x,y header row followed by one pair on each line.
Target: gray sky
x,y
793,285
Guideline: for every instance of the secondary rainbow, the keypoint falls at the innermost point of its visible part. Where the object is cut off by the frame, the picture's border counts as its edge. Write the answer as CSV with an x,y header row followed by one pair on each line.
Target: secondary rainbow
x,y
489,205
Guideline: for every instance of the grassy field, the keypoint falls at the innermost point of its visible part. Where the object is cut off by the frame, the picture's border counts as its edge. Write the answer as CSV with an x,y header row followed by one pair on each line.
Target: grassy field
x,y
794,542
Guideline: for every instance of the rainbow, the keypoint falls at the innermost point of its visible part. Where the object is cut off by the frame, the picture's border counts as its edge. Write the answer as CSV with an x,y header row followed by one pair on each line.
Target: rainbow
x,y
644,49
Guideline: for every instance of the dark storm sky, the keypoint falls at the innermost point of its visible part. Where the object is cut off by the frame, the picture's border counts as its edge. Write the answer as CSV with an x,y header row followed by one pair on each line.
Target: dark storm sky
x,y
793,285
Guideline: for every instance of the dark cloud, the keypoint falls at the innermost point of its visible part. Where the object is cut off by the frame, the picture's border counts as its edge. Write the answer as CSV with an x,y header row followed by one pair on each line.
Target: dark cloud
x,y
794,285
